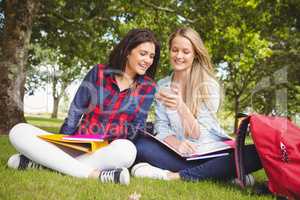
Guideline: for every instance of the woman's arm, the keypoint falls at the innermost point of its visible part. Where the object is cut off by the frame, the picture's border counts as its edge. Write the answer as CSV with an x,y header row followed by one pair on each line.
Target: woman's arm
x,y
164,132
162,122
85,95
174,101
189,122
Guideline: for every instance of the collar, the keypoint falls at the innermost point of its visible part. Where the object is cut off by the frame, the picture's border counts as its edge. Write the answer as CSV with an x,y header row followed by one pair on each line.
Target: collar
x,y
110,73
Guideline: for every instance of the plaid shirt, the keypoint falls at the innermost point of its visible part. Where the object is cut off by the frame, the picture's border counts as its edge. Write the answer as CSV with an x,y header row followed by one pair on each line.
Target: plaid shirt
x,y
99,107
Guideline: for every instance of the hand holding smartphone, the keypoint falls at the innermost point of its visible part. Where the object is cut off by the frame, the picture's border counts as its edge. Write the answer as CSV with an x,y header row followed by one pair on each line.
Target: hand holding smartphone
x,y
166,90
169,97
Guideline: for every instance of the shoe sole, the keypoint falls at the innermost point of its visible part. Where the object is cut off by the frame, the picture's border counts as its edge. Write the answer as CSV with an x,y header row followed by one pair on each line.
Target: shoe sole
x,y
14,161
124,177
136,167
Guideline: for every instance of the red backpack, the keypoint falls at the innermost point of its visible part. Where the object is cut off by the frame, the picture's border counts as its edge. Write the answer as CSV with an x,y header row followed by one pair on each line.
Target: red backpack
x,y
277,141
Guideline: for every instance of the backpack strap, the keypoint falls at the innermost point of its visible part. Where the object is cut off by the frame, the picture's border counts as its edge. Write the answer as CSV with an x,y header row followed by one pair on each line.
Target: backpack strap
x,y
239,151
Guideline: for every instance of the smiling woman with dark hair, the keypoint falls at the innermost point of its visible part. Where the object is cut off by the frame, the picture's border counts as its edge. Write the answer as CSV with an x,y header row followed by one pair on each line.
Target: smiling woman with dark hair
x,y
113,100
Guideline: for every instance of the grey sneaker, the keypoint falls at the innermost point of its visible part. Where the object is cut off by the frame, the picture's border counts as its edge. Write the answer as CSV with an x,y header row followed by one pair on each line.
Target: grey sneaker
x,y
21,162
120,175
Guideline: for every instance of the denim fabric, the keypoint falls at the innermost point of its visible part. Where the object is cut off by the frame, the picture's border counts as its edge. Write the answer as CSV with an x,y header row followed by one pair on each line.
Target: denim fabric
x,y
221,168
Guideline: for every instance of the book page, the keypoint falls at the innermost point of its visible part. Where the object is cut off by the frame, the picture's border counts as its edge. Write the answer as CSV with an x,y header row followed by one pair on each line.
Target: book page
x,y
205,150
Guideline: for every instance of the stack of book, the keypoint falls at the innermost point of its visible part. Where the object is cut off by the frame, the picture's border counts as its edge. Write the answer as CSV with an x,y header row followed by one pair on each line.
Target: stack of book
x,y
85,143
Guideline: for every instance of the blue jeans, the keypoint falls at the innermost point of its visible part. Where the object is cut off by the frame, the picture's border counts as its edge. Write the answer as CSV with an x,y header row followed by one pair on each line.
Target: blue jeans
x,y
220,168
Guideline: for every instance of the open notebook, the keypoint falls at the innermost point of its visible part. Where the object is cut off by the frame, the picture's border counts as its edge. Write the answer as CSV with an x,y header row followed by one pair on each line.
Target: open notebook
x,y
207,150
85,143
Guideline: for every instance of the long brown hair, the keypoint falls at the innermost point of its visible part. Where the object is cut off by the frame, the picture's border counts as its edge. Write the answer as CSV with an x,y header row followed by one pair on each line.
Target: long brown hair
x,y
201,75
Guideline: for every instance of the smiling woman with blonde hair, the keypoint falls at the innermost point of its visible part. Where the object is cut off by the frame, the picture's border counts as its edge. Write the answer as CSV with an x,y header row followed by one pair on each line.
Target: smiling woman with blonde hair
x,y
186,107
201,71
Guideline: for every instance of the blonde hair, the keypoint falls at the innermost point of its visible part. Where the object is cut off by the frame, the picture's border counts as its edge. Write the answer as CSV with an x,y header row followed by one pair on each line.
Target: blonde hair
x,y
196,92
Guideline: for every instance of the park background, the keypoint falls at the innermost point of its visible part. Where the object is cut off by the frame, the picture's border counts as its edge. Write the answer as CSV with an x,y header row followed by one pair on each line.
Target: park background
x,y
48,46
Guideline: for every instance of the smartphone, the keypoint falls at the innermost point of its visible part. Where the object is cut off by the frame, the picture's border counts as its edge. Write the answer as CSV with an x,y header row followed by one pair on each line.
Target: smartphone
x,y
166,89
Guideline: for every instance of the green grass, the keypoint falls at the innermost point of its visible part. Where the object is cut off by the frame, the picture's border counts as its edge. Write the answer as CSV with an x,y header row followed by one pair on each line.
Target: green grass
x,y
44,184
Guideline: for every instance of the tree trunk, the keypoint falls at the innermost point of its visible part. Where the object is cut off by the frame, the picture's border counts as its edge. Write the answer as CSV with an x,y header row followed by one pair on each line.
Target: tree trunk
x,y
57,95
55,107
13,59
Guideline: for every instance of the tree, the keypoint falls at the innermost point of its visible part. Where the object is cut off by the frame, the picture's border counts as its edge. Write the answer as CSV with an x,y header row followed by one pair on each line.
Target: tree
x,y
273,84
277,93
243,67
73,36
18,20
47,69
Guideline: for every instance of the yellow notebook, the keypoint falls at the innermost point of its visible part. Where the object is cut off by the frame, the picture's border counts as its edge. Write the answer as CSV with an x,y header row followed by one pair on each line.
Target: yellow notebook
x,y
87,143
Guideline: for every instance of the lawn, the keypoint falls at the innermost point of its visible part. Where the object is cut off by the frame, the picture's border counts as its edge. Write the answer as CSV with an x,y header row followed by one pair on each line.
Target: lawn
x,y
44,184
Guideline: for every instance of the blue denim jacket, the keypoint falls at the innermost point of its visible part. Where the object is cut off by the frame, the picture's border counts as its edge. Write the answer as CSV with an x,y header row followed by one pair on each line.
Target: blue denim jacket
x,y
168,122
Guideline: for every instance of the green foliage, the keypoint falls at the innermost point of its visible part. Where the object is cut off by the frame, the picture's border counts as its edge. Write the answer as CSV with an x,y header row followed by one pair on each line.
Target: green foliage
x,y
281,70
47,66
75,28
249,40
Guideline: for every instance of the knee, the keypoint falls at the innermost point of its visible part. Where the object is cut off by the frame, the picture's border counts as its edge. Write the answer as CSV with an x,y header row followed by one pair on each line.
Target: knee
x,y
16,132
144,147
126,151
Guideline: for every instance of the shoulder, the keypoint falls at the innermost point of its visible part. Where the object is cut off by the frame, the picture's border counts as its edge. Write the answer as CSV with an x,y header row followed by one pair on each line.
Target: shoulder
x,y
213,86
146,85
96,74
146,80
92,74
96,68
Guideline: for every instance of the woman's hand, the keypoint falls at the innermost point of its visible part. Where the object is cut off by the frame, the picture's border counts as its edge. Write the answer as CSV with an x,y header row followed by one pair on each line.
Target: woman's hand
x,y
171,98
186,147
